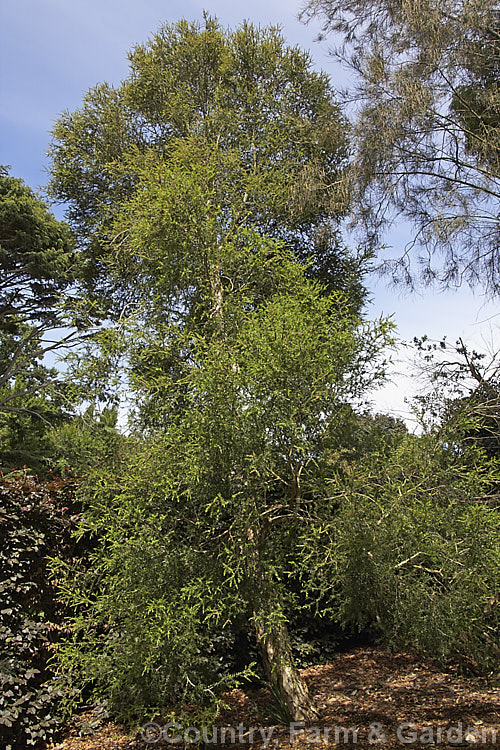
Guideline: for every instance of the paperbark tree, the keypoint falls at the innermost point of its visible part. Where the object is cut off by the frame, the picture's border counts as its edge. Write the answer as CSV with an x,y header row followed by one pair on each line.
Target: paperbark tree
x,y
243,107
201,188
194,529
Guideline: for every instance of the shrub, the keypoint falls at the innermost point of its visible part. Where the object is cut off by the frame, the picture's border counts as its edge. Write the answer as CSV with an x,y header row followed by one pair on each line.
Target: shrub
x,y
35,520
413,550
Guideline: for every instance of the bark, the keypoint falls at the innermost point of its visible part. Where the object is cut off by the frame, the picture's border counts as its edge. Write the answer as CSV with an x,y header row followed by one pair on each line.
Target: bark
x,y
217,293
274,645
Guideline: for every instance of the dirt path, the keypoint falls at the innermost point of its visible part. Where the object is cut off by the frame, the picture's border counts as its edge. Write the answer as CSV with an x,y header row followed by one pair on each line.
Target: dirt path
x,y
366,697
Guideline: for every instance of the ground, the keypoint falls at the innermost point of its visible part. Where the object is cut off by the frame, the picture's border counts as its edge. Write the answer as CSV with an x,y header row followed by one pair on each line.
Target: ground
x,y
394,700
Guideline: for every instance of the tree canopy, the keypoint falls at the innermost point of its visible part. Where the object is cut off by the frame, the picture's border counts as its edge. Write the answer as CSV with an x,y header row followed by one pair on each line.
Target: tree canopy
x,y
36,256
426,129
185,183
37,264
226,131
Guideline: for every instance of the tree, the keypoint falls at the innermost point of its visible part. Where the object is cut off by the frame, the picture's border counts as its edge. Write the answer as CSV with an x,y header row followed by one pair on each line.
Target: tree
x,y
476,102
36,256
201,189
196,529
226,131
465,387
426,128
37,259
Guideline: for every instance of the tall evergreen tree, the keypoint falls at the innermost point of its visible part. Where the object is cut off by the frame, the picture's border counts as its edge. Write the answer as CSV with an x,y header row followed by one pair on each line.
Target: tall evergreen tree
x,y
37,257
207,190
224,131
426,129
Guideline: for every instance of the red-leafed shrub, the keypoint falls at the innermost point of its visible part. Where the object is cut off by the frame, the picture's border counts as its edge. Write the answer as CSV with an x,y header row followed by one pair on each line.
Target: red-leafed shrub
x,y
36,520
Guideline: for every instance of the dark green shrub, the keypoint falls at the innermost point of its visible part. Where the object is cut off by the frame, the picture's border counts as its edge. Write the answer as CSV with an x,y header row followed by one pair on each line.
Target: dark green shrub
x,y
35,521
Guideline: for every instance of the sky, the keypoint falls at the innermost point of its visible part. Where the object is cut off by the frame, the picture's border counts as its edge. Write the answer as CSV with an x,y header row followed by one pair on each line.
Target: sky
x,y
53,51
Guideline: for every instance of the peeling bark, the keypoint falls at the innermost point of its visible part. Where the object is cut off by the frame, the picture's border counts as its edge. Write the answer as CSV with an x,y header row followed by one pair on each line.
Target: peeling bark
x,y
274,645
273,641
217,293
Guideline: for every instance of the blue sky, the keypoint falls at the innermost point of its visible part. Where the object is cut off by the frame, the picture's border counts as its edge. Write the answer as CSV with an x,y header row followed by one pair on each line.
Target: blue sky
x,y
52,51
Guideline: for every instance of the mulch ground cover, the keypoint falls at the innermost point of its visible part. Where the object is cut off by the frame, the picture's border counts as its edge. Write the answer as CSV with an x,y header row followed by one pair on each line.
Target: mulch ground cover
x,y
365,697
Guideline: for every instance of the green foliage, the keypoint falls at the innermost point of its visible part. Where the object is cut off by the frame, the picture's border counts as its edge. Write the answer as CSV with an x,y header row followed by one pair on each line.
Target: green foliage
x,y
35,520
37,264
426,132
34,404
203,188
164,174
413,549
476,101
209,204
466,389
151,630
79,444
36,256
192,528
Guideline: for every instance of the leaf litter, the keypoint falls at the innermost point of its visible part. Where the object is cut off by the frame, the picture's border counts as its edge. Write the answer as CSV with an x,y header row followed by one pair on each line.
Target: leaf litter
x,y
391,699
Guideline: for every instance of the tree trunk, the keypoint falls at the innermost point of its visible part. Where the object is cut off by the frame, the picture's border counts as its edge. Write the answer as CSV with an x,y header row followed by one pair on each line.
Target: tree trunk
x,y
217,293
274,645
273,639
